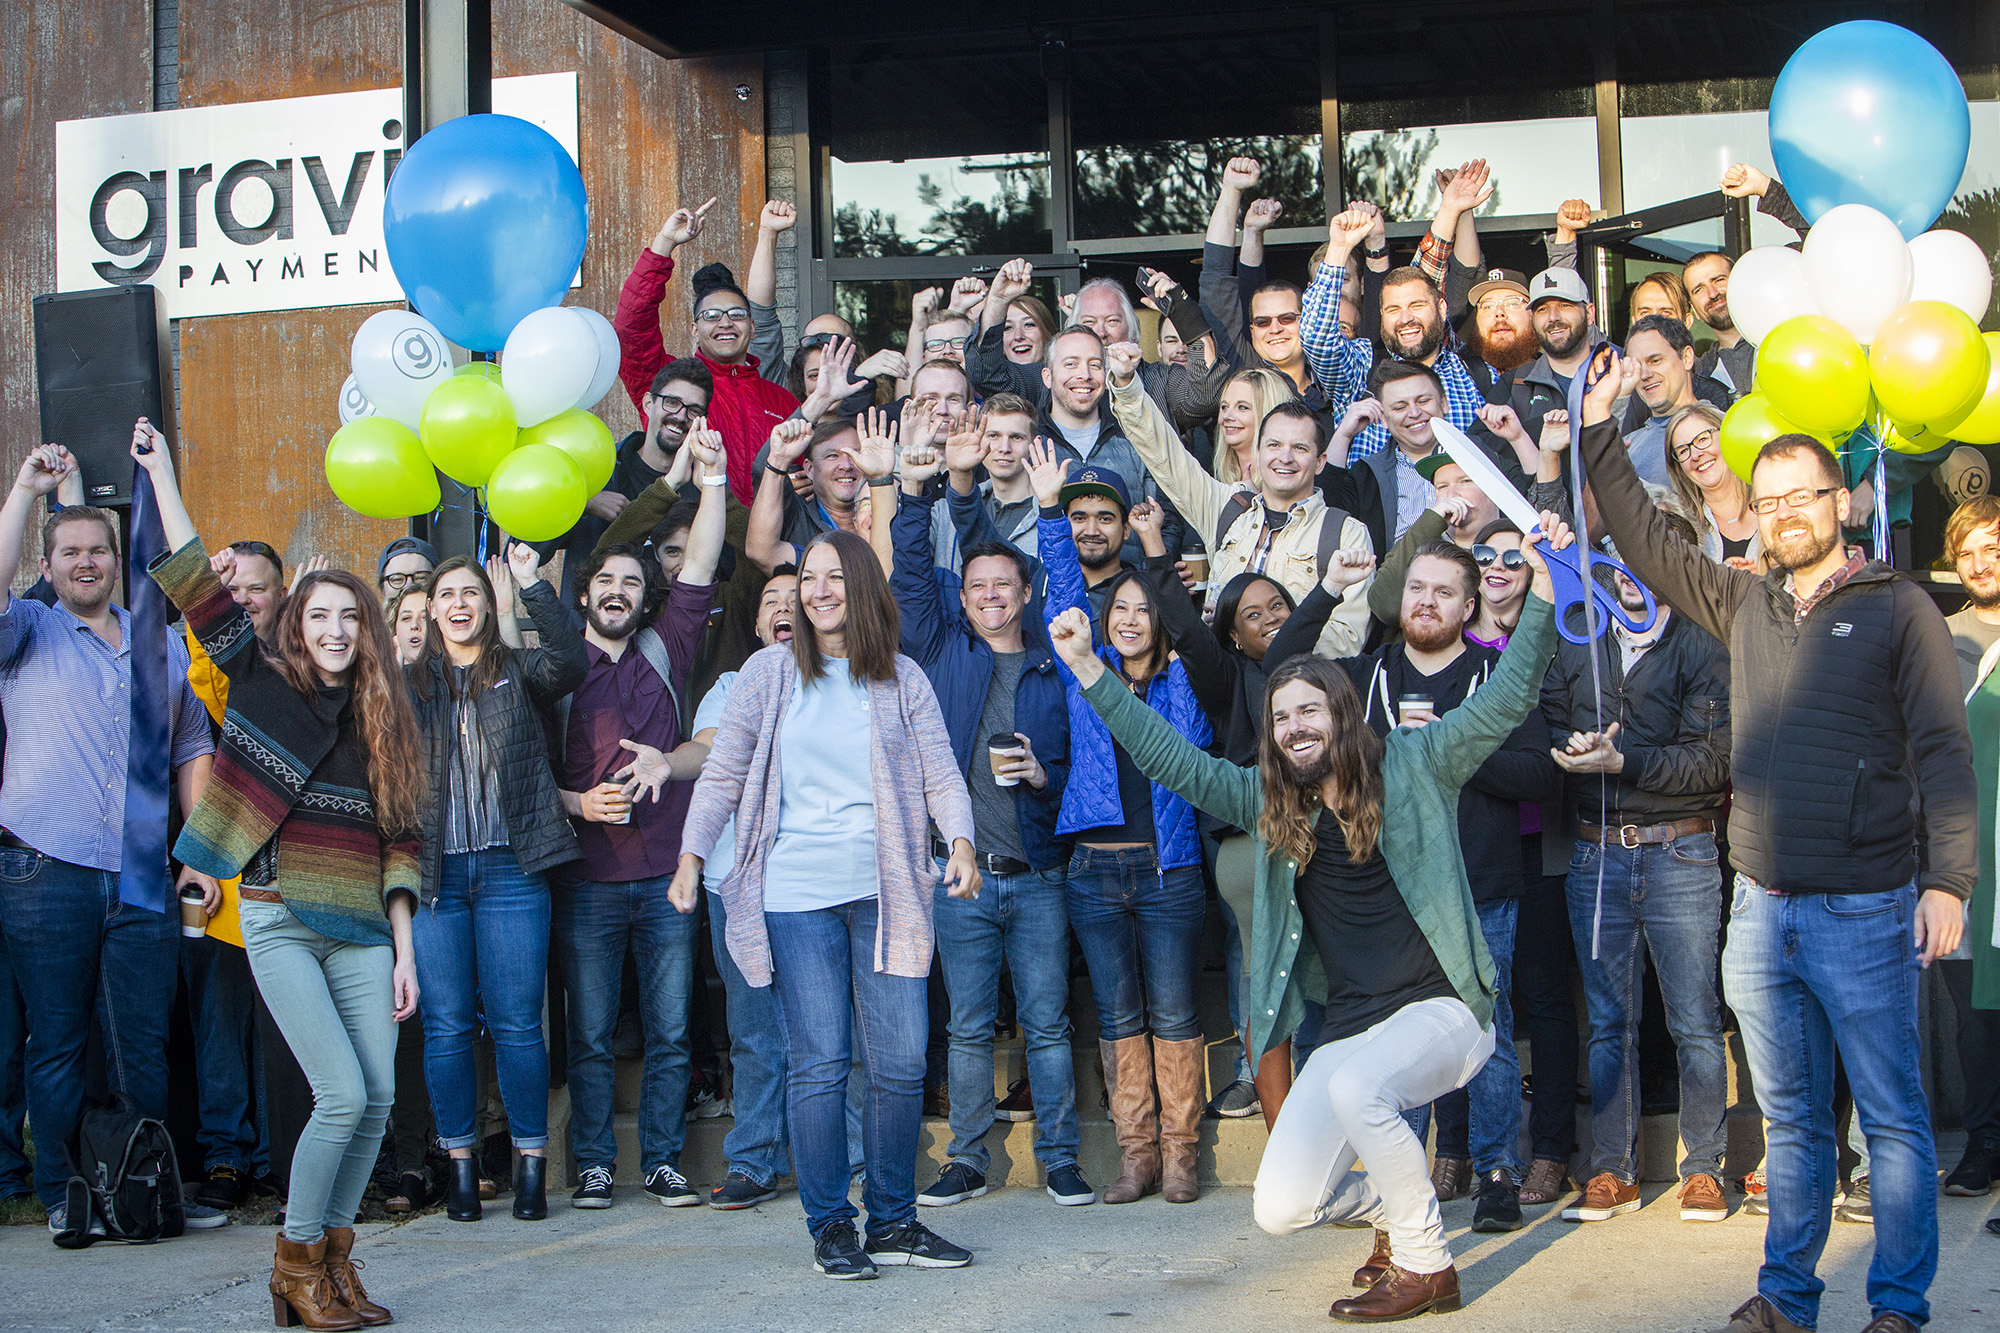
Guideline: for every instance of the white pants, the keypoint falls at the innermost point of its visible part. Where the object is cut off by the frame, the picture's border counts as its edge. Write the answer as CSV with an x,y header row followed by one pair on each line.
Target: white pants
x,y
1345,1109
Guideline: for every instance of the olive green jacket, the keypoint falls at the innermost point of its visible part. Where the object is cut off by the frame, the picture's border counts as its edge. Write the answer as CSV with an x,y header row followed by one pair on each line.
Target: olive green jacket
x,y
1422,770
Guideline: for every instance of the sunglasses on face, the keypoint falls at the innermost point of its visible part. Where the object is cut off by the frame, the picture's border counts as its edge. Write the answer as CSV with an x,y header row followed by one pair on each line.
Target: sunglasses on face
x,y
715,314
1701,442
1484,556
812,340
1283,319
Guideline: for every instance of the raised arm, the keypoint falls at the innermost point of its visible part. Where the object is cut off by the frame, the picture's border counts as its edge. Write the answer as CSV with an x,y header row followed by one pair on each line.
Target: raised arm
x,y
763,539
641,350
45,468
1385,597
1339,363
711,516
1198,495
760,288
558,665
1047,471
1212,673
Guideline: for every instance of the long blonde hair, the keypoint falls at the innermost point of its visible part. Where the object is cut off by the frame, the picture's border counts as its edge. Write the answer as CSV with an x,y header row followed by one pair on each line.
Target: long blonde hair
x,y
1268,388
1690,494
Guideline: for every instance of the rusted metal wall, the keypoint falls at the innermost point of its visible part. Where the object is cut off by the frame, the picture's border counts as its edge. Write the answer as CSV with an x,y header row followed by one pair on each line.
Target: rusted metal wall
x,y
59,60
257,391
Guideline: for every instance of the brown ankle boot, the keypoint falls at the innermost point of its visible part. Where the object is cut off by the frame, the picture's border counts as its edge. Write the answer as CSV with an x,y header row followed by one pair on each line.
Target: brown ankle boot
x,y
301,1292
1399,1295
1128,1081
340,1266
1378,1263
1177,1068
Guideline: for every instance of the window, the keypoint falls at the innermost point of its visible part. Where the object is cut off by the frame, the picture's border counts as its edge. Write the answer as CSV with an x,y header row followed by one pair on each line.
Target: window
x,y
1391,150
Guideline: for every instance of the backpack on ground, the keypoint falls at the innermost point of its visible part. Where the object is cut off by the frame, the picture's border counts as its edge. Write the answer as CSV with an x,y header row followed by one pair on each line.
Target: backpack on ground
x,y
129,1182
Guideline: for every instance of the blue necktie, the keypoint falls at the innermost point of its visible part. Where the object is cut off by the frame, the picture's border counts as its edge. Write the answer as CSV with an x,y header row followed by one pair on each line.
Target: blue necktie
x,y
143,879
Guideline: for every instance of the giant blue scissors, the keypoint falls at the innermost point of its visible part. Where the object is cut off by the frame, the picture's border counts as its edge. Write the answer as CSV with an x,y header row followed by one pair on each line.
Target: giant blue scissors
x,y
1569,569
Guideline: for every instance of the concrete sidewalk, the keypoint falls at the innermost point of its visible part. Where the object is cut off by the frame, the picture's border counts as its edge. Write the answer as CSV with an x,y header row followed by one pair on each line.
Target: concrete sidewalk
x,y
1202,1266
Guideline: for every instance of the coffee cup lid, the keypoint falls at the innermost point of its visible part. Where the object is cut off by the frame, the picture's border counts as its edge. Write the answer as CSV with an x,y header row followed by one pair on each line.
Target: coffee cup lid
x,y
1004,740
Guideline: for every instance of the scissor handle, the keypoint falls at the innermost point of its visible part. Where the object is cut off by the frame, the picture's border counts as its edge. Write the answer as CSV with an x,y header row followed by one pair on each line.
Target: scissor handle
x,y
1573,590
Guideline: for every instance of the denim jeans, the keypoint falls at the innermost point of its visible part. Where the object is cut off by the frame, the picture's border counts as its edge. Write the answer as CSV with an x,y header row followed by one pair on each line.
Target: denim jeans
x,y
756,1144
1233,863
1482,1120
1799,969
1668,899
836,1005
1020,919
1140,928
595,922
222,1008
57,922
483,948
335,1003
13,1081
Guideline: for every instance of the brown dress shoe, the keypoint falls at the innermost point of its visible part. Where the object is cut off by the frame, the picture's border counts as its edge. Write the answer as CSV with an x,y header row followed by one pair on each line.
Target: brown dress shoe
x,y
340,1266
301,1293
1371,1272
1604,1197
1547,1181
1702,1201
1451,1177
1177,1067
1135,1117
1399,1295
1758,1315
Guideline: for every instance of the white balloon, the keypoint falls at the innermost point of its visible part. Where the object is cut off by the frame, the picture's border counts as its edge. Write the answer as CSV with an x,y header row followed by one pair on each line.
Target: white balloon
x,y
548,362
607,358
1767,286
1858,268
1949,266
399,357
354,404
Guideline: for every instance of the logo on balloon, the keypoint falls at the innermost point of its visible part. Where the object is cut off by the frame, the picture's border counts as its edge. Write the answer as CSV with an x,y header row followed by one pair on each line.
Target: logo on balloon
x,y
354,404
417,354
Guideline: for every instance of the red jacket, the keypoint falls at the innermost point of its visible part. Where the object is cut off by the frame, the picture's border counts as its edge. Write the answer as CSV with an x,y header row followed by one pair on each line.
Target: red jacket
x,y
745,406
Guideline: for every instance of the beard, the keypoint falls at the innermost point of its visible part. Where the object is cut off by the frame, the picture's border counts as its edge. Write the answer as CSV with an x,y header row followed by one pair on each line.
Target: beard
x,y
1557,343
1430,636
1105,558
626,624
1800,549
1981,600
1428,343
1717,317
1505,349
1313,771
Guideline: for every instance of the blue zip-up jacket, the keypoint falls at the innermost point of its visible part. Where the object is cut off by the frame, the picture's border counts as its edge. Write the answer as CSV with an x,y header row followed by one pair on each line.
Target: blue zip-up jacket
x,y
1092,798
937,635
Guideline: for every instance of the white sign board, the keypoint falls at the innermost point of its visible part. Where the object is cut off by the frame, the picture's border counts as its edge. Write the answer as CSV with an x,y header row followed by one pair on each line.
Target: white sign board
x,y
252,206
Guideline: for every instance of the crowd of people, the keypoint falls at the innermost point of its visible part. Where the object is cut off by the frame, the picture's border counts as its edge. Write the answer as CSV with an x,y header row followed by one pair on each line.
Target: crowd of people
x,y
934,677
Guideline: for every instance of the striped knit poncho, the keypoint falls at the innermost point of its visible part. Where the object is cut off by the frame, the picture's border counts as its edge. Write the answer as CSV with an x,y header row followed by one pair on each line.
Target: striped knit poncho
x,y
288,766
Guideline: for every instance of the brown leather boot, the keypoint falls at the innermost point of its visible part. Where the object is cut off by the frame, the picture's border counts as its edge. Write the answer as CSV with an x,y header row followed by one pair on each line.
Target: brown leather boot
x,y
1128,1081
1177,1068
1399,1295
1378,1263
301,1292
340,1266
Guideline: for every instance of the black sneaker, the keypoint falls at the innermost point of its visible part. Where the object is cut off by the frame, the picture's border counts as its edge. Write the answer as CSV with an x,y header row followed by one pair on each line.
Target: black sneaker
x,y
1068,1187
1238,1101
1498,1205
955,1184
225,1188
937,1103
1018,1106
918,1246
703,1104
1976,1173
739,1191
200,1217
670,1188
1856,1207
837,1253
594,1191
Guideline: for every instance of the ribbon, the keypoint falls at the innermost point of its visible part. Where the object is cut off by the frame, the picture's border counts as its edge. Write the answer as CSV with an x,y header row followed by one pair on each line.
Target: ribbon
x,y
143,879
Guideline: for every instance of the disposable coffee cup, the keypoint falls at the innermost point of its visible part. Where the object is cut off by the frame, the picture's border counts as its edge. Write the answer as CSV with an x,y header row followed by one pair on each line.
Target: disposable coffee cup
x,y
610,778
1197,569
194,917
1407,704
1003,748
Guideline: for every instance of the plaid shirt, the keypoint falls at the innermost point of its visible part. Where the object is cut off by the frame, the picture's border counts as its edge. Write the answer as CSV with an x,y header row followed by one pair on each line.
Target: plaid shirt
x,y
1801,606
1342,364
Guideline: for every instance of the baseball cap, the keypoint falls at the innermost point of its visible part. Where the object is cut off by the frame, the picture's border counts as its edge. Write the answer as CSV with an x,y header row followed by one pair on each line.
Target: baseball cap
x,y
1562,284
405,546
1499,279
1102,481
1427,466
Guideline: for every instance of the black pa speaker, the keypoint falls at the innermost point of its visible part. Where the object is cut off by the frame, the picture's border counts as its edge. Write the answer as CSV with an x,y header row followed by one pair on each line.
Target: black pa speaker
x,y
100,364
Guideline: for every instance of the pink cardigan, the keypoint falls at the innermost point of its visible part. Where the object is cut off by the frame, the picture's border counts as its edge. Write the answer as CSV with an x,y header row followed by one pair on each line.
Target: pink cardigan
x,y
916,782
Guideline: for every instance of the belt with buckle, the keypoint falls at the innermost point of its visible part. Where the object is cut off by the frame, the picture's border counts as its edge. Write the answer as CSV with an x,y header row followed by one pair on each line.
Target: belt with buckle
x,y
1644,835
252,894
986,861
8,840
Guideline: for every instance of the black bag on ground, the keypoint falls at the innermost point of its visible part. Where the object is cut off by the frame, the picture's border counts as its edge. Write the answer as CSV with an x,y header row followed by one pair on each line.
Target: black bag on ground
x,y
129,1177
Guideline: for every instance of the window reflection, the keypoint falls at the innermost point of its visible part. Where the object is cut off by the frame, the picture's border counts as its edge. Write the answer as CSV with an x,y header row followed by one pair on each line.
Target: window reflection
x,y
1536,164
942,205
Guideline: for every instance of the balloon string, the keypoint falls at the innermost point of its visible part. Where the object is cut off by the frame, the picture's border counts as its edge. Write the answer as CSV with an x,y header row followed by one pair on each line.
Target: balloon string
x,y
1882,497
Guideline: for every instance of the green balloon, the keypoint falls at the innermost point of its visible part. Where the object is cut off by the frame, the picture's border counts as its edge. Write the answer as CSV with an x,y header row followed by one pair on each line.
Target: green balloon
x,y
378,467
536,493
485,370
583,436
468,427
1814,373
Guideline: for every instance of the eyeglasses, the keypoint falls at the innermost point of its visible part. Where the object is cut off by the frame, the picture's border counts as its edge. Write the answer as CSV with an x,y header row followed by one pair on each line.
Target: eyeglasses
x,y
1283,319
715,314
1483,556
945,344
1703,441
671,406
1798,499
1493,305
395,583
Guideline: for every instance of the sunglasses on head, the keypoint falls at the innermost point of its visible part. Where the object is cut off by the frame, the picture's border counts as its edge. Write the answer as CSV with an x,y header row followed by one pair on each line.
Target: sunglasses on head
x,y
812,340
1483,556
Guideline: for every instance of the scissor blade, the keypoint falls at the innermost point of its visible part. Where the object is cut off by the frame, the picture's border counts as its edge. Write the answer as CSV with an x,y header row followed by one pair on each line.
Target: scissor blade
x,y
1485,475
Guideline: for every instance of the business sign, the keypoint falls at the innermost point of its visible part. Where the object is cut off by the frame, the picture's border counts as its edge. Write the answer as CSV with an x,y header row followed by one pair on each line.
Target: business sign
x,y
252,206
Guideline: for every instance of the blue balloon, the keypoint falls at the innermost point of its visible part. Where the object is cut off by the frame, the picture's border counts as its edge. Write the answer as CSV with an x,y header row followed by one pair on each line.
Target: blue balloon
x,y
1869,113
485,221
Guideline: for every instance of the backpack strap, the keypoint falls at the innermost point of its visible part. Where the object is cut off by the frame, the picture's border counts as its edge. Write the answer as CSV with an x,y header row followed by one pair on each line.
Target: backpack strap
x,y
1235,507
1330,528
654,649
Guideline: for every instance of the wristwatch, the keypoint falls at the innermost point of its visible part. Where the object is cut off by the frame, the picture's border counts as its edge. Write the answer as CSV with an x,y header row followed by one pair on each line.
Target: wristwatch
x,y
882,481
1367,253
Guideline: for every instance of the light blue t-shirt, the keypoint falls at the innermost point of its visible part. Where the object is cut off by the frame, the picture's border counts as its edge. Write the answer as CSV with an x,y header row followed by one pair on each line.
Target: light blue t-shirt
x,y
723,859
